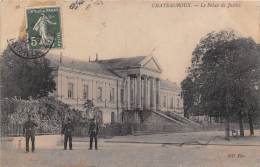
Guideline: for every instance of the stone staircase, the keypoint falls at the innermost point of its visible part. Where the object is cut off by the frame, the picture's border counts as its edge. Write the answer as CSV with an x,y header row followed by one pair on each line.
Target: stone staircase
x,y
161,122
182,119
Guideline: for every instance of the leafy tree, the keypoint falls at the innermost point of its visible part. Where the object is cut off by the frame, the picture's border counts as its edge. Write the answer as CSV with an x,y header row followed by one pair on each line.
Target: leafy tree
x,y
223,72
93,111
25,78
188,95
88,106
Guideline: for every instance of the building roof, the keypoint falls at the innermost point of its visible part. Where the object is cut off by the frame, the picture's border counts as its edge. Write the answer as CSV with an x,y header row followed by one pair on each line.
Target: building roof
x,y
93,67
106,67
166,84
120,63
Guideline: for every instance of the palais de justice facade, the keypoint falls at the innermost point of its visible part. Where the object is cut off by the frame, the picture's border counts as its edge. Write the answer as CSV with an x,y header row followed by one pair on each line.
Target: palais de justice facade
x,y
119,87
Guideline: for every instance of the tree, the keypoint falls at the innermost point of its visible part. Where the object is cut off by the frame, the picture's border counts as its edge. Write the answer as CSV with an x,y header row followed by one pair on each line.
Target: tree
x,y
222,71
252,104
93,111
187,94
88,106
26,78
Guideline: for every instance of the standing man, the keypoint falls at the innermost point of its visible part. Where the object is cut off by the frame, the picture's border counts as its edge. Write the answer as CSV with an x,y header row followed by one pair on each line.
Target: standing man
x,y
29,133
67,130
93,132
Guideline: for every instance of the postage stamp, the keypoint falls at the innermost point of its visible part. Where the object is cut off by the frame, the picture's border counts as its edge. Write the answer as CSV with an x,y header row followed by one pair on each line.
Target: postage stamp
x,y
44,26
129,83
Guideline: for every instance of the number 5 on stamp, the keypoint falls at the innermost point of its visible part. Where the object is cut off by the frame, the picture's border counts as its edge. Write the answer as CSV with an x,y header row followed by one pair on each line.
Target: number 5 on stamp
x,y
44,27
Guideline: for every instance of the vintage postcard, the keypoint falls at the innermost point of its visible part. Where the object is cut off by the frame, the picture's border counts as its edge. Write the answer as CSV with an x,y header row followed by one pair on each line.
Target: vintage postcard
x,y
129,83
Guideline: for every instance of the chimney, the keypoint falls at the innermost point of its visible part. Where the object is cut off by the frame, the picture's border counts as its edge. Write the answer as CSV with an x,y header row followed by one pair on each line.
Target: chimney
x,y
96,57
89,59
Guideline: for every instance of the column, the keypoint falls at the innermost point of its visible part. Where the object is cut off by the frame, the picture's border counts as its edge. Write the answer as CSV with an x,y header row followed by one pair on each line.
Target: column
x,y
153,94
158,103
132,91
77,92
128,93
139,92
145,92
125,94
135,92
148,93
149,87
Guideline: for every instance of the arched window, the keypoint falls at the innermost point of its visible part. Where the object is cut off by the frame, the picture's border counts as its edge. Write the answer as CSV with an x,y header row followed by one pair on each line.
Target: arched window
x,y
178,103
112,95
85,91
99,117
164,101
99,94
112,117
70,90
171,106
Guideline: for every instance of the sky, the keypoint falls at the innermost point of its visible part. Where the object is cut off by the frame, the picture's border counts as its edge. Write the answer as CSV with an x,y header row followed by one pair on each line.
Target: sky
x,y
133,28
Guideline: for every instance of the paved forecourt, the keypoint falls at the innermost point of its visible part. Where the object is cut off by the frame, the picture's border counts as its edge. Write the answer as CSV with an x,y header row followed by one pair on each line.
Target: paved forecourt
x,y
137,151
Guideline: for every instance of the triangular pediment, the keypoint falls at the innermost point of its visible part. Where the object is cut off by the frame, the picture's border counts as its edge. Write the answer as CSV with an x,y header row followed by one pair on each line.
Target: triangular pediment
x,y
152,64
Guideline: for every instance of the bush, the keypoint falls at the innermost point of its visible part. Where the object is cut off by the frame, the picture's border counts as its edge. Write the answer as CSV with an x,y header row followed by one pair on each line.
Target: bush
x,y
47,112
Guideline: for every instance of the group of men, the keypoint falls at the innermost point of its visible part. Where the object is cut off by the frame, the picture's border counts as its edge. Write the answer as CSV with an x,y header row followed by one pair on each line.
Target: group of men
x,y
67,131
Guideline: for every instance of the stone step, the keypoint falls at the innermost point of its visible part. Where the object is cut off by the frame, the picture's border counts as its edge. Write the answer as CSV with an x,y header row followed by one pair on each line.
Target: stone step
x,y
156,122
169,118
182,119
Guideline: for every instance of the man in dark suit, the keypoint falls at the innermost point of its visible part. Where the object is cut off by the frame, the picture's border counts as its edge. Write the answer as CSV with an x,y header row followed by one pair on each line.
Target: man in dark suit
x,y
29,133
93,132
67,130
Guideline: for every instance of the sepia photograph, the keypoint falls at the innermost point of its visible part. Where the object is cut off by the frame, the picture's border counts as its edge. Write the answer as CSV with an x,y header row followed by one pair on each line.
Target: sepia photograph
x,y
129,83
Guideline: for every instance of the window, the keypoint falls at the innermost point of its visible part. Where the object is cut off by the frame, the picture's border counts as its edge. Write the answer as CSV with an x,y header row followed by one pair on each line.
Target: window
x,y
178,103
99,117
122,95
112,117
99,94
85,91
70,90
112,95
164,101
171,106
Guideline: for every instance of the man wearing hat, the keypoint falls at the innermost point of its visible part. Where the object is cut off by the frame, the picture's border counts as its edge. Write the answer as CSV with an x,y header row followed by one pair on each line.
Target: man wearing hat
x,y
67,130
93,132
29,133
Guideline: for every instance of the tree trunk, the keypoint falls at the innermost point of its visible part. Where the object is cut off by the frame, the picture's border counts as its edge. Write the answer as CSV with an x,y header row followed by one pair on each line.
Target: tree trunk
x,y
227,121
241,127
251,126
227,128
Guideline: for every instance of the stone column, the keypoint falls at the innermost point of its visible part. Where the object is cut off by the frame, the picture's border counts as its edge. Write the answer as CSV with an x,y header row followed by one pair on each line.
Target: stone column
x,y
135,92
128,93
125,94
145,92
139,92
153,94
158,86
148,93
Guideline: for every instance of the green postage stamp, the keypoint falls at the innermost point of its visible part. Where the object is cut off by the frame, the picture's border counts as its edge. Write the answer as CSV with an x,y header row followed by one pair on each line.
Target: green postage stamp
x,y
44,27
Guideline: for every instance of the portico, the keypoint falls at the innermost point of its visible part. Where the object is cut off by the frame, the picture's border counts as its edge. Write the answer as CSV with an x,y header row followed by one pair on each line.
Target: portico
x,y
142,87
143,92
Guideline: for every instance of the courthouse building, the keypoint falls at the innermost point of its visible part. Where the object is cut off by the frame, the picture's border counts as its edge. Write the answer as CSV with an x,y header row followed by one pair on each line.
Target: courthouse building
x,y
122,88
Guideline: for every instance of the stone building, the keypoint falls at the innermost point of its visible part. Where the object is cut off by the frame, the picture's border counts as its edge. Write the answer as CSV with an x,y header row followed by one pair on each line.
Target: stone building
x,y
122,88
